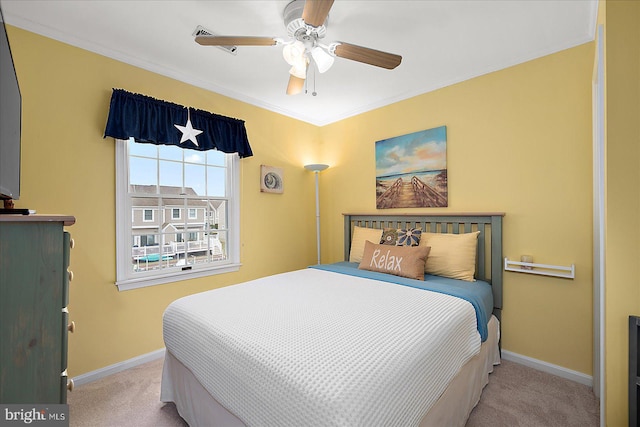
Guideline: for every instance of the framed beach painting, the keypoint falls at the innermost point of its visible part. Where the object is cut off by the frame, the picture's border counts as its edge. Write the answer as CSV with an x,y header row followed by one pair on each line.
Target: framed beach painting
x,y
411,170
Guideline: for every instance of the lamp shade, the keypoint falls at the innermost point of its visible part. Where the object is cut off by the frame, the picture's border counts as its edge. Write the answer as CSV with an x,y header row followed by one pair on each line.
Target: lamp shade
x,y
316,167
299,70
323,60
293,53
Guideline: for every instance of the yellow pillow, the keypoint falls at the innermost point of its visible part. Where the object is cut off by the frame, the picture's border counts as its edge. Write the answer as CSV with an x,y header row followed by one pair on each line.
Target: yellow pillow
x,y
451,255
360,236
404,261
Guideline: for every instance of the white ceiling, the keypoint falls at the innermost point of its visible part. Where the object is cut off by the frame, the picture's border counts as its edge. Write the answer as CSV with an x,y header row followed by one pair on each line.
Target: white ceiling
x,y
441,43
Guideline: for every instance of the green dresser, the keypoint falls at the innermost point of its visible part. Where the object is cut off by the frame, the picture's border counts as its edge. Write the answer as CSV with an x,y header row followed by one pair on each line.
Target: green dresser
x,y
34,320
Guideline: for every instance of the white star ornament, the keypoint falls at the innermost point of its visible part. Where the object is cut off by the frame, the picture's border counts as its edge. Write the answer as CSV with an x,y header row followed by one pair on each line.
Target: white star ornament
x,y
188,132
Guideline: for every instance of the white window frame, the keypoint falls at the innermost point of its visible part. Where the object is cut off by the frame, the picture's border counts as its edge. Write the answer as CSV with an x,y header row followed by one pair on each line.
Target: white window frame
x,y
125,278
179,213
195,213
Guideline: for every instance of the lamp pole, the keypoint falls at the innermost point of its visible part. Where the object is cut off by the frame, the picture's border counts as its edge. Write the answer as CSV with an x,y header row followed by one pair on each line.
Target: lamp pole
x,y
316,169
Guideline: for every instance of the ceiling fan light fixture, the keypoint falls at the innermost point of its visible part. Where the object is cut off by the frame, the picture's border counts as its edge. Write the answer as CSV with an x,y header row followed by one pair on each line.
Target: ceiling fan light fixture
x,y
293,52
323,60
299,71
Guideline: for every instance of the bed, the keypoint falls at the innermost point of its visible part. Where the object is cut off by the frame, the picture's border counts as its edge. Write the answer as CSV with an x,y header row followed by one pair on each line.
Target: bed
x,y
361,342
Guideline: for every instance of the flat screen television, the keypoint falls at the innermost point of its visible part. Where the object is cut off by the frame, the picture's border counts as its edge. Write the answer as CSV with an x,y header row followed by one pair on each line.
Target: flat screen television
x,y
10,121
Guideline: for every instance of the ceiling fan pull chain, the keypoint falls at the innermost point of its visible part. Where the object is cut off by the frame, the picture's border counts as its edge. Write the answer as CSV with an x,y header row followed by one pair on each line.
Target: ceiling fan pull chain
x,y
314,93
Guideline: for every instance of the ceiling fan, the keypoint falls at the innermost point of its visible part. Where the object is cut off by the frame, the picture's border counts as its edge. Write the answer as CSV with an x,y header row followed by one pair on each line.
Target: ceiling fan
x,y
306,25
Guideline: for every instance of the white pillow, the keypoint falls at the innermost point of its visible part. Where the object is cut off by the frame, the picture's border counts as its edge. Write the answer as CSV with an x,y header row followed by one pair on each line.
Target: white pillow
x,y
360,236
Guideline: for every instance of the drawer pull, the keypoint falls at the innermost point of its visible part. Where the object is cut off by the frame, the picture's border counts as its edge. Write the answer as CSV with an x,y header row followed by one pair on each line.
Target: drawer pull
x,y
69,380
72,243
71,327
70,275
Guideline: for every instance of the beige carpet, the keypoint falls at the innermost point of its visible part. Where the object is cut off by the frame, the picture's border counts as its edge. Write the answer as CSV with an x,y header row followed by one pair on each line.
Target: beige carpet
x,y
517,396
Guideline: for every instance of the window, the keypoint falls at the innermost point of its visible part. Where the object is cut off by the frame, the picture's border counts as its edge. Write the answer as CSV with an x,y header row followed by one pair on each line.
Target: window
x,y
148,240
170,180
147,215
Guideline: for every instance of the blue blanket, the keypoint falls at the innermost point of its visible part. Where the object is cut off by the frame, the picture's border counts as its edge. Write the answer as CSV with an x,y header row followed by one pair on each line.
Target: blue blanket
x,y
478,293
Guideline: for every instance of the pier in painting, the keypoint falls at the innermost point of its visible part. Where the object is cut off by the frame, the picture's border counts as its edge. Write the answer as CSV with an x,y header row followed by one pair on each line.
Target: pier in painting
x,y
428,190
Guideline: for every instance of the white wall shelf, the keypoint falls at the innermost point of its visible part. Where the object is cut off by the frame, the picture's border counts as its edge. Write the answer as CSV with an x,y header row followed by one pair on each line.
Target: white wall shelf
x,y
540,269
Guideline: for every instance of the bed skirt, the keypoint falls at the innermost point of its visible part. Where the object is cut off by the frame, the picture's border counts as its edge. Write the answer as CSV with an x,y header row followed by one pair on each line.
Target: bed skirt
x,y
198,408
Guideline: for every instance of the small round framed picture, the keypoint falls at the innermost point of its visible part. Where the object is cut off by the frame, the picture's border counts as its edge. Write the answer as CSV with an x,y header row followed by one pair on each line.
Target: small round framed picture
x,y
271,179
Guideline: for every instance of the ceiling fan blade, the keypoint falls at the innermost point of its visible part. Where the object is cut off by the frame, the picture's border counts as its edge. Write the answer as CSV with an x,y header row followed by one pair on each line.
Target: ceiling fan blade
x,y
316,11
235,41
368,56
295,86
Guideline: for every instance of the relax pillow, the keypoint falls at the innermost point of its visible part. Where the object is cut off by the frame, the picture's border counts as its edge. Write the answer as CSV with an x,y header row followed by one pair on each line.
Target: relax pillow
x,y
405,261
360,236
451,255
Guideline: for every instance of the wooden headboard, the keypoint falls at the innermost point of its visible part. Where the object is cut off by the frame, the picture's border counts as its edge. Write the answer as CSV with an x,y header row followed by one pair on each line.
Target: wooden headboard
x,y
489,259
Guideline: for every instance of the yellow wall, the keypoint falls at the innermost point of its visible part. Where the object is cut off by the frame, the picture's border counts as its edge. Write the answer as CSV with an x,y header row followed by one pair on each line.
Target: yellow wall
x,y
518,141
68,168
622,290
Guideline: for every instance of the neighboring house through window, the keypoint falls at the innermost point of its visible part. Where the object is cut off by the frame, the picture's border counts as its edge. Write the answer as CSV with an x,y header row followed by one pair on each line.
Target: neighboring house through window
x,y
155,242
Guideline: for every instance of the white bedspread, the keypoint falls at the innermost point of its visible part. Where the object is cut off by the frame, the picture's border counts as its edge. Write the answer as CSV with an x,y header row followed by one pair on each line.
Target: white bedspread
x,y
313,347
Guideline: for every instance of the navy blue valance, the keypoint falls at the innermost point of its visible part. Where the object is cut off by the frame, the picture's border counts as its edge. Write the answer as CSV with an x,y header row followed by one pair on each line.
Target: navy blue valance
x,y
153,121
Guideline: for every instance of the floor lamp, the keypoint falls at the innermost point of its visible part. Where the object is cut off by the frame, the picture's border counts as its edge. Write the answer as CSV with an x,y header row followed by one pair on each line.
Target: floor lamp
x,y
316,168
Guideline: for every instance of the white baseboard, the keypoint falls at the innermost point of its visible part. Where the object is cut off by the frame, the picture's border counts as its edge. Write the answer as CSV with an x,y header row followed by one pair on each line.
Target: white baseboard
x,y
549,368
117,367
